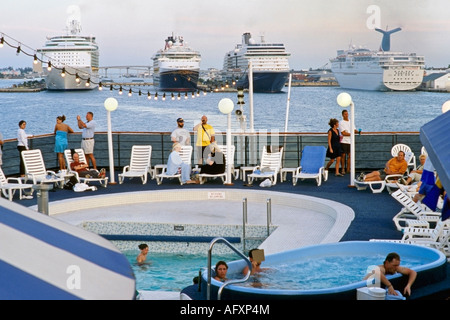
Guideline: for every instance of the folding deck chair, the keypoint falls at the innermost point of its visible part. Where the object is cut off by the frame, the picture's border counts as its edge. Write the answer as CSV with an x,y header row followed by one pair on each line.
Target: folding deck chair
x,y
9,186
269,167
140,164
35,169
311,165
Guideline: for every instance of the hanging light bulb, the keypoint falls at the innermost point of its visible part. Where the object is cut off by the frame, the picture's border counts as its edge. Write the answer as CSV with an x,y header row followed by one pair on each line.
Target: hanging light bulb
x,y
100,86
204,92
35,59
140,92
185,96
2,41
49,67
193,95
77,78
63,72
88,82
18,50
149,96
120,90
110,88
179,96
164,96
198,93
156,96
130,93
173,96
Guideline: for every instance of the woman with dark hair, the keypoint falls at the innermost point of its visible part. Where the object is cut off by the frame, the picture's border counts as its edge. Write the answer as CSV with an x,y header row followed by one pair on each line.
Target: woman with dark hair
x,y
22,143
334,146
61,142
221,271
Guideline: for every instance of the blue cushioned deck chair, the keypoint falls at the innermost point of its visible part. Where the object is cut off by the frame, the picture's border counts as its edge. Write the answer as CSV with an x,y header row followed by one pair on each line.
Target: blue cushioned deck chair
x,y
311,165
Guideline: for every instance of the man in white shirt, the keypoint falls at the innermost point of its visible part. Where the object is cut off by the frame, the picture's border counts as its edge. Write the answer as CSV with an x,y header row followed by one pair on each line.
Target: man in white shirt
x,y
180,134
344,128
87,143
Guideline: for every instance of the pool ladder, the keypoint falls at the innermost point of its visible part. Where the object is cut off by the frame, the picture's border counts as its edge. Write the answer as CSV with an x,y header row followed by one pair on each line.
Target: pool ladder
x,y
245,220
222,287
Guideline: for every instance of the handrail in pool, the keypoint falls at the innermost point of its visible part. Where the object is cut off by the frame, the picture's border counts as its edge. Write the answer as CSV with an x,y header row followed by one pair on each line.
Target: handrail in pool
x,y
219,294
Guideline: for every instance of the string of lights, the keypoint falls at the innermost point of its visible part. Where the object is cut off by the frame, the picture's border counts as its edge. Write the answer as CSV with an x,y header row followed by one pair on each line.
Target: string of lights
x,y
65,71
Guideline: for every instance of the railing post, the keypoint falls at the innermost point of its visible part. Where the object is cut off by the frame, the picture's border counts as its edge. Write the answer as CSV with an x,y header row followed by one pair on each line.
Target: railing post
x,y
269,215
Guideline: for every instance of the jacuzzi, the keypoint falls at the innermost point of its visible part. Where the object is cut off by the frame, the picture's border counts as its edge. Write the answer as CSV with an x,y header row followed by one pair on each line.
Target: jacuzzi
x,y
432,270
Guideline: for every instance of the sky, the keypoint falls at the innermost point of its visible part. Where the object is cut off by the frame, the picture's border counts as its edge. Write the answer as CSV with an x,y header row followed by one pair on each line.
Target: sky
x,y
130,32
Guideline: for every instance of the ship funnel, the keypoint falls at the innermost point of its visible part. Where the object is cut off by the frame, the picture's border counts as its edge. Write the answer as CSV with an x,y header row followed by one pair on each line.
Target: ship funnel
x,y
246,38
386,42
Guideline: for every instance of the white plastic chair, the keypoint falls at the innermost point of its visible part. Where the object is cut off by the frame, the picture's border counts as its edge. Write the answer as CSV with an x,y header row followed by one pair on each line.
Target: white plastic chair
x,y
67,154
9,186
140,164
186,155
269,168
228,155
35,169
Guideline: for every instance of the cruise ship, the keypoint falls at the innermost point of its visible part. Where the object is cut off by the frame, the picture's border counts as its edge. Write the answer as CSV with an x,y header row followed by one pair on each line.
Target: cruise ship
x,y
77,55
381,70
176,67
270,64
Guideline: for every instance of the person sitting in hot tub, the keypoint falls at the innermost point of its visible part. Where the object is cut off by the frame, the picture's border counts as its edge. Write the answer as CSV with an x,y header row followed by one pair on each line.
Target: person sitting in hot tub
x,y
221,271
391,265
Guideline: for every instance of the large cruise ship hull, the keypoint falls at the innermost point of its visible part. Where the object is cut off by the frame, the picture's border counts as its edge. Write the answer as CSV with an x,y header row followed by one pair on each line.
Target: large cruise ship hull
x,y
54,80
265,82
392,79
177,80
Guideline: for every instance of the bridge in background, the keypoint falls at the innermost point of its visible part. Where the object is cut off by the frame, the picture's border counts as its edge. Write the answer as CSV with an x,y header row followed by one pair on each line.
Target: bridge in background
x,y
127,71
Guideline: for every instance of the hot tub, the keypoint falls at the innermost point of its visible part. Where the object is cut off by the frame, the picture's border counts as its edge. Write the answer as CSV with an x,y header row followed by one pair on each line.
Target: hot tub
x,y
430,265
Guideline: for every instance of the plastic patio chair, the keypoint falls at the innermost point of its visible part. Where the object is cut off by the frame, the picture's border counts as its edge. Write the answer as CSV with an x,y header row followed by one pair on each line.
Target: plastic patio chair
x,y
311,165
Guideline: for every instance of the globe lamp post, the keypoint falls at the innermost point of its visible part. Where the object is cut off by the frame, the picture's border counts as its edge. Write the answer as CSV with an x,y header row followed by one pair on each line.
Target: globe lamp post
x,y
345,100
111,104
226,106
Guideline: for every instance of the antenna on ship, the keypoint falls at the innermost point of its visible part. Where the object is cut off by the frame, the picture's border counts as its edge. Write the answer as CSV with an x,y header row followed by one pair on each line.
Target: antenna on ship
x,y
386,41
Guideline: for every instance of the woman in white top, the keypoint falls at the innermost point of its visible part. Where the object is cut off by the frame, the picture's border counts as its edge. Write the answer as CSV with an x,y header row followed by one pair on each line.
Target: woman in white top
x,y
22,143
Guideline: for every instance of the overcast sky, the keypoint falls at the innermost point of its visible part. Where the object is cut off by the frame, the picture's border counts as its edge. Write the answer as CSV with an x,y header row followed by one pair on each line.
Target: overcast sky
x,y
130,32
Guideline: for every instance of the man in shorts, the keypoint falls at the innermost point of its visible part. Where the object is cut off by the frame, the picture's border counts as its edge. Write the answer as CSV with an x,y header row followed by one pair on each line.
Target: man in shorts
x,y
396,165
344,128
87,137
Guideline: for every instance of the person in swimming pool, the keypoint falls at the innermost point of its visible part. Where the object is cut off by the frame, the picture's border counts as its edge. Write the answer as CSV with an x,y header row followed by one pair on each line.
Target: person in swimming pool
x,y
391,265
256,265
143,255
221,271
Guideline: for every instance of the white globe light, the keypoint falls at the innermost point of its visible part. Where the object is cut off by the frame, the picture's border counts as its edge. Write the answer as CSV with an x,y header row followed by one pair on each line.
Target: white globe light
x,y
226,105
446,106
344,99
111,104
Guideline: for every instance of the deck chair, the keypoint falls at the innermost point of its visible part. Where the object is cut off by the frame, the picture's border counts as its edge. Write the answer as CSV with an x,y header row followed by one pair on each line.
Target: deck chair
x,y
9,186
67,154
269,168
311,165
228,155
140,164
186,155
437,237
412,214
35,169
409,155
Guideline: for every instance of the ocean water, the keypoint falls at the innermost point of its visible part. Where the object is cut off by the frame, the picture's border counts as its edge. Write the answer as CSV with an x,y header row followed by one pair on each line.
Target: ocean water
x,y
310,109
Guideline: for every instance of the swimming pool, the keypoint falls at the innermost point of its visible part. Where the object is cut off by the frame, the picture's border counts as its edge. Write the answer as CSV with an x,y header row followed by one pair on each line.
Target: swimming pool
x,y
167,271
430,265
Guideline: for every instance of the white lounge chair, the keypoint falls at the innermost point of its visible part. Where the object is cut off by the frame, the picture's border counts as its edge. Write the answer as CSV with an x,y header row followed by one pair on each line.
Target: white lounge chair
x,y
67,154
412,214
35,169
9,186
311,165
269,168
140,164
186,155
228,155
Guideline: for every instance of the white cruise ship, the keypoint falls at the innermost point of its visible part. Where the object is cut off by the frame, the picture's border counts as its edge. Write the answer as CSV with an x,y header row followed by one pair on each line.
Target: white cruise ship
x,y
381,70
176,67
77,54
270,64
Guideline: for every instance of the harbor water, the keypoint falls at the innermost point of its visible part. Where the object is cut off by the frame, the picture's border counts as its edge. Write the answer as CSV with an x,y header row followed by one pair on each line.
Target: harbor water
x,y
309,110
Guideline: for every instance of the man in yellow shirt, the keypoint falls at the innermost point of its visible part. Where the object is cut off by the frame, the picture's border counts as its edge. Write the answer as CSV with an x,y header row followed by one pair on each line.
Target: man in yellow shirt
x,y
205,135
396,165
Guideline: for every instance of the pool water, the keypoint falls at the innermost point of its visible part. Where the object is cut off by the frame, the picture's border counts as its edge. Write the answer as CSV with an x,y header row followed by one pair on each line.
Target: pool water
x,y
168,271
319,273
